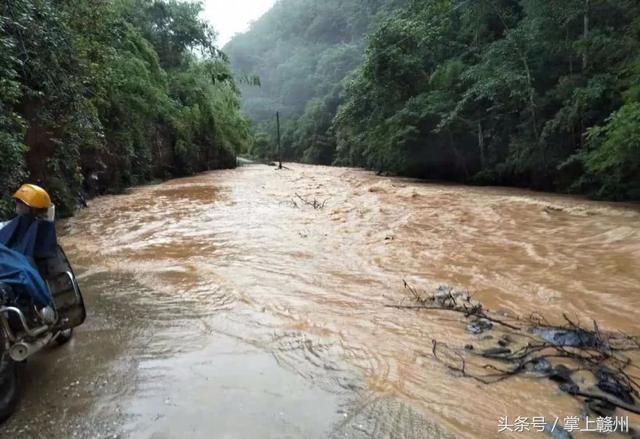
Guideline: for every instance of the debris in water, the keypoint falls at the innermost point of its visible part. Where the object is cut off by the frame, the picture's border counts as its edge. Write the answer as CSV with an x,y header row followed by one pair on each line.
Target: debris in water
x,y
479,326
598,407
539,365
557,431
561,374
610,383
566,337
496,352
505,340
532,345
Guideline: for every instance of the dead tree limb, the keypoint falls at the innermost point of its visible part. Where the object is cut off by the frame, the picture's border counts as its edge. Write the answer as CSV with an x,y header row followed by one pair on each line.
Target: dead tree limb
x,y
609,399
315,203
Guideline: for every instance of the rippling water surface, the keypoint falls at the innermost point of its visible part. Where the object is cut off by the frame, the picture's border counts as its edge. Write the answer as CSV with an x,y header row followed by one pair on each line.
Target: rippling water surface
x,y
249,313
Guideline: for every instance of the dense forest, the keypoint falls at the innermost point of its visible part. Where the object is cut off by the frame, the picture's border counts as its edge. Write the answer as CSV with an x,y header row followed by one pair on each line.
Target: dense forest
x,y
302,50
534,93
99,95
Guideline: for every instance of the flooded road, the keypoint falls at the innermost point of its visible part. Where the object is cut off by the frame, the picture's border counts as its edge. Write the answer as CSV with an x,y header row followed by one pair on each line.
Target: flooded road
x,y
226,305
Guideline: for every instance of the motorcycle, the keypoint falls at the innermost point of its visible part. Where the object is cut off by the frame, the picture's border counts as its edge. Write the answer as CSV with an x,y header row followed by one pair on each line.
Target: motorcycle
x,y
26,329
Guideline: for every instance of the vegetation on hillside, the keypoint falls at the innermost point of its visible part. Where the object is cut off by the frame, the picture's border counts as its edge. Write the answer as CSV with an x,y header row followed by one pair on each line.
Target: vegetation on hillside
x,y
302,50
534,93
99,95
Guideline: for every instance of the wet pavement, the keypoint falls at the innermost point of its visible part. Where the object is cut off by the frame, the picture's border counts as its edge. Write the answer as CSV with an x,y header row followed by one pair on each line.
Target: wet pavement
x,y
227,306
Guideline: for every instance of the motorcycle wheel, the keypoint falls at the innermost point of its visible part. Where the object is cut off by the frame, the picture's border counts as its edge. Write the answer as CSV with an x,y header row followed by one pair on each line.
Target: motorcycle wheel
x,y
64,337
8,385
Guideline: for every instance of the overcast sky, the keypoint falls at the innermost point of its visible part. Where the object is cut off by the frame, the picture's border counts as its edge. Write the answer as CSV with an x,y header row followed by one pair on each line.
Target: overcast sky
x,y
229,17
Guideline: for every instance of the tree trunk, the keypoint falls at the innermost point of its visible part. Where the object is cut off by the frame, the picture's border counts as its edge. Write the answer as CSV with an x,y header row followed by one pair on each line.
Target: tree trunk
x,y
585,55
459,157
523,57
532,100
481,145
567,45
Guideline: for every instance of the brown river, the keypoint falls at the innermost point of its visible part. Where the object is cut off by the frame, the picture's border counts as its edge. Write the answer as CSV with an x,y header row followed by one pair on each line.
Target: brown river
x,y
224,306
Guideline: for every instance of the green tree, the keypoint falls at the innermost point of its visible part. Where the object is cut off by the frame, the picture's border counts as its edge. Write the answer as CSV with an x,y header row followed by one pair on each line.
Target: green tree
x,y
128,90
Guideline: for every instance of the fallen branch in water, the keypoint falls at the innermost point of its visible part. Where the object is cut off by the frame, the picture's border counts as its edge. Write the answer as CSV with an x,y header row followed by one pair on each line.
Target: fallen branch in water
x,y
315,203
543,348
461,369
467,313
608,399
447,299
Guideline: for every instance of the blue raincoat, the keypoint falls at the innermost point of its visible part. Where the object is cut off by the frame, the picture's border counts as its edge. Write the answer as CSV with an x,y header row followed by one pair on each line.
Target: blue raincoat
x,y
23,238
33,237
17,271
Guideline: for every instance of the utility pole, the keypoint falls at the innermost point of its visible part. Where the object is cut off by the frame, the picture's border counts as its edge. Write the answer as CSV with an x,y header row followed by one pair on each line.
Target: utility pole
x,y
279,148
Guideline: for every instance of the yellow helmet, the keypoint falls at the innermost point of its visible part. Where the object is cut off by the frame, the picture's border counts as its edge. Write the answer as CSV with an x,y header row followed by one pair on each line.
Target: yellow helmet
x,y
33,196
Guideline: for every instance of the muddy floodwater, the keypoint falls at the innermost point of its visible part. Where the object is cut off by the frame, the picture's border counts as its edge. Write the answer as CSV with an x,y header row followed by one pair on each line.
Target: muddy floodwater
x,y
224,306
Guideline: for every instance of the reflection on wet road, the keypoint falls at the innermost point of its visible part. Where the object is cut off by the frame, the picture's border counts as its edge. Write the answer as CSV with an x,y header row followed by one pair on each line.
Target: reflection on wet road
x,y
223,305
